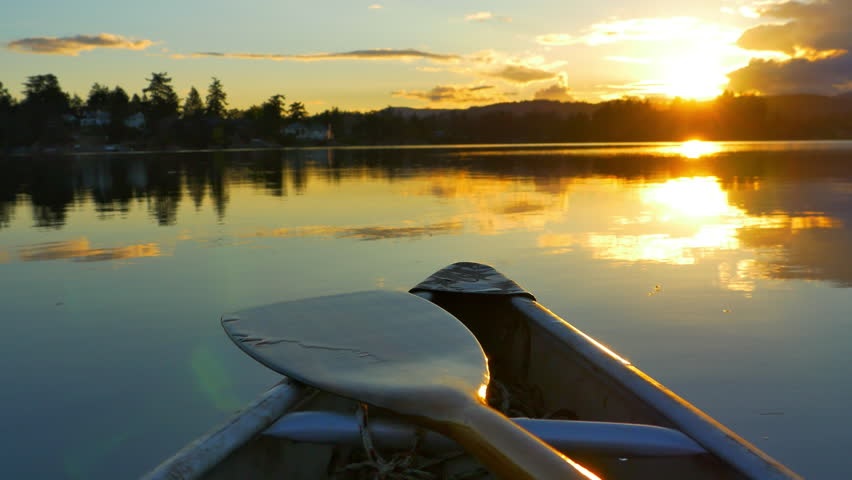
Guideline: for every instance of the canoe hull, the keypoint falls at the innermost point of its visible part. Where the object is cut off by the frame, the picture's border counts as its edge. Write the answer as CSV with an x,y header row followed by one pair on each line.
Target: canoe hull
x,y
541,367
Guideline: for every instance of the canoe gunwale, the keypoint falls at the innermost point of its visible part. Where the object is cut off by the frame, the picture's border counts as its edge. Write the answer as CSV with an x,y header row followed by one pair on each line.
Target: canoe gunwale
x,y
709,433
205,452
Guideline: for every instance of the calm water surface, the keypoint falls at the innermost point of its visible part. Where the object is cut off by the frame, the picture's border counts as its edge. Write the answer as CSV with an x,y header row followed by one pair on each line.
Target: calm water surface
x,y
721,270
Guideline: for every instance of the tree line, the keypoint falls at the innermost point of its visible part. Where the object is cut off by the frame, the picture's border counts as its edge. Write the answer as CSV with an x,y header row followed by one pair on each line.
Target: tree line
x,y
727,117
159,118
49,116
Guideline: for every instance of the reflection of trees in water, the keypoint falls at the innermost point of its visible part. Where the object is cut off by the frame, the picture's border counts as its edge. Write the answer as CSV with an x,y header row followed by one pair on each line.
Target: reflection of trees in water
x,y
299,175
51,192
216,176
6,211
110,186
267,173
196,182
8,196
796,183
164,191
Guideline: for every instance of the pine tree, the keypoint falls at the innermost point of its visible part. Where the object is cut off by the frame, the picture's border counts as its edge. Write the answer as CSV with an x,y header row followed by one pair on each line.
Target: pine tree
x,y
98,98
271,113
192,107
217,100
162,101
297,111
43,93
6,100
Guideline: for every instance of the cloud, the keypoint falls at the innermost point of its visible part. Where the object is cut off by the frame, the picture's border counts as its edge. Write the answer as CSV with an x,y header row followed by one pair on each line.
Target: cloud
x,y
375,6
559,91
372,54
642,88
747,11
662,29
816,39
521,74
556,39
825,25
799,75
485,57
454,94
485,17
623,59
74,45
554,92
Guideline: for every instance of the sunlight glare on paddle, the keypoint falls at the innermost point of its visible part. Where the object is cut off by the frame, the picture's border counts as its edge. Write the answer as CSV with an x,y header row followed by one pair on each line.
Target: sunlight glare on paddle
x,y
482,393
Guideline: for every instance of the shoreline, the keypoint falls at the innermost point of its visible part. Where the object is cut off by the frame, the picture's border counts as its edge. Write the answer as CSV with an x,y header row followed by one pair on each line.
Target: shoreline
x,y
60,152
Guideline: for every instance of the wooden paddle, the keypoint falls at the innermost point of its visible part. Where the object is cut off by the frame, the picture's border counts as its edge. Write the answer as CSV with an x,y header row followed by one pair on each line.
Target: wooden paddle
x,y
400,352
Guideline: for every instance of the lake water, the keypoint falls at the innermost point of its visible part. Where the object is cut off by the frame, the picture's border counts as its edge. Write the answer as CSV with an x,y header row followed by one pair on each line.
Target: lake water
x,y
722,270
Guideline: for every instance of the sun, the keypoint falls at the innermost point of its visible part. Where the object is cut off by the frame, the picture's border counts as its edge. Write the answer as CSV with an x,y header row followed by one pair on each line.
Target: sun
x,y
697,76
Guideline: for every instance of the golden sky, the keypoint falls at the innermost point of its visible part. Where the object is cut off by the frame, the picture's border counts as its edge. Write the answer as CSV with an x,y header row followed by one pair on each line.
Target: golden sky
x,y
368,55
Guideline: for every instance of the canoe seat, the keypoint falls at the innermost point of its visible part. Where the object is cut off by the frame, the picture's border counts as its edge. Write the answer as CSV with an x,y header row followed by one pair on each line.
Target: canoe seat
x,y
567,436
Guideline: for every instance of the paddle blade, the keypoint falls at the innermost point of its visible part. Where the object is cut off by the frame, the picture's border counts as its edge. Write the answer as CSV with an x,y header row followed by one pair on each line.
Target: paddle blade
x,y
389,349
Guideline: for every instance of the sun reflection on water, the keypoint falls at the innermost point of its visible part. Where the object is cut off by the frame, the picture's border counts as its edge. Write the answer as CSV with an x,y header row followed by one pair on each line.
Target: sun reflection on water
x,y
680,221
689,199
687,221
694,149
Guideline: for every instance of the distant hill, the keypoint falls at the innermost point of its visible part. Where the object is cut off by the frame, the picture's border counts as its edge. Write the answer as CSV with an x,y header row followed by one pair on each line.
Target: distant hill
x,y
515,108
809,106
409,112
537,106
803,105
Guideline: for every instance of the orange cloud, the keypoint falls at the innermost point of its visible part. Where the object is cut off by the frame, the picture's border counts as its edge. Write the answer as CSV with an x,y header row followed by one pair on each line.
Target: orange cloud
x,y
74,45
455,94
521,74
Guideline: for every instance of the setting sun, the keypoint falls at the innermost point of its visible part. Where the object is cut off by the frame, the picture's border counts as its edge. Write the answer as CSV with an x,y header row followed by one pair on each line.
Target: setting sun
x,y
697,77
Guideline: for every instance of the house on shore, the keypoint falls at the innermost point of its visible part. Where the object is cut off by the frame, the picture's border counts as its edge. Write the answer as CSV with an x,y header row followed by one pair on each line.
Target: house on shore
x,y
308,132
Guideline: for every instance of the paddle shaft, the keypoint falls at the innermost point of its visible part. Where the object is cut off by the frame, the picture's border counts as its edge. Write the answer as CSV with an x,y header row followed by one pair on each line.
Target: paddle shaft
x,y
505,448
